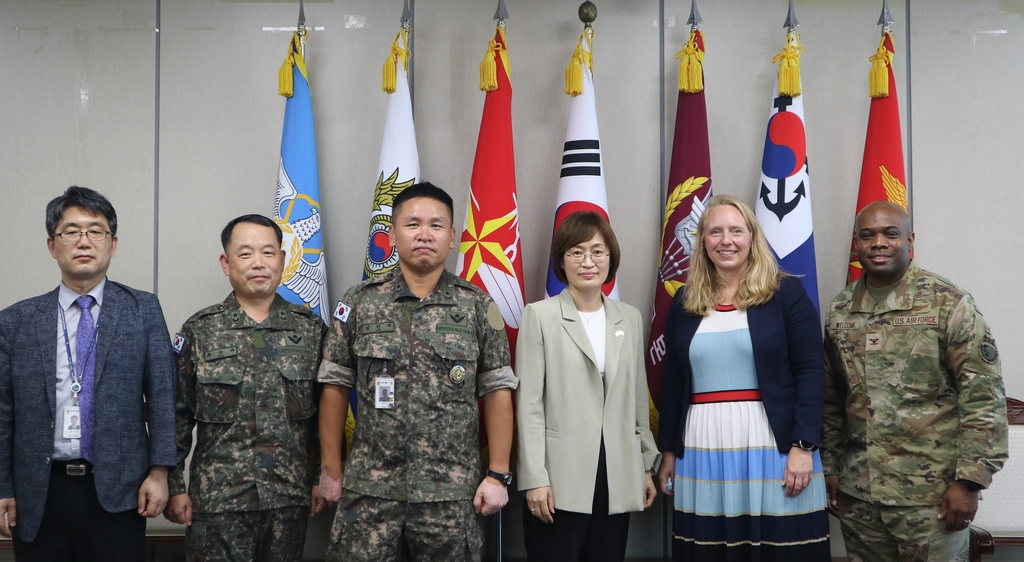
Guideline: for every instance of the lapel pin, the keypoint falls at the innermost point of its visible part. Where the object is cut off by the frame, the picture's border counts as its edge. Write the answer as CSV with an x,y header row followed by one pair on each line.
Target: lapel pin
x,y
619,333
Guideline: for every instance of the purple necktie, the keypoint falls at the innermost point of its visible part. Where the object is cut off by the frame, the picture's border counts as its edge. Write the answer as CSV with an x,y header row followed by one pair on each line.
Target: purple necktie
x,y
85,370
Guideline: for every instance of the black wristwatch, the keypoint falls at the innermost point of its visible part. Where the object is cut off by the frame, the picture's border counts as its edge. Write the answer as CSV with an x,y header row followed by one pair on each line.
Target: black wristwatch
x,y
505,479
805,445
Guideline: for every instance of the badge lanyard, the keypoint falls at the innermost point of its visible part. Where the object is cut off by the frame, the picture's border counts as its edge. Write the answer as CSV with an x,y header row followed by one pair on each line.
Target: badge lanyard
x,y
76,382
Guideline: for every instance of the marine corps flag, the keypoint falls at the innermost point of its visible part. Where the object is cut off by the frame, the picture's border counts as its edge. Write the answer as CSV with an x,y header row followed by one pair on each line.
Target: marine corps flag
x,y
882,176
689,188
399,164
297,202
783,205
581,183
490,254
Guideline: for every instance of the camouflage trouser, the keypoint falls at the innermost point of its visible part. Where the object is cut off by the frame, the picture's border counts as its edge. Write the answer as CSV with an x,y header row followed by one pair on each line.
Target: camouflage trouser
x,y
271,535
375,529
902,533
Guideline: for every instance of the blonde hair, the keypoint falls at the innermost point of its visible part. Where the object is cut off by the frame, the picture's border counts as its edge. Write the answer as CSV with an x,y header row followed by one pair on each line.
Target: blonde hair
x,y
760,277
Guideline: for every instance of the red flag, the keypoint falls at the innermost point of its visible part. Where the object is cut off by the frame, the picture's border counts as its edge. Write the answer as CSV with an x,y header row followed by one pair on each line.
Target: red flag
x,y
490,254
689,188
882,176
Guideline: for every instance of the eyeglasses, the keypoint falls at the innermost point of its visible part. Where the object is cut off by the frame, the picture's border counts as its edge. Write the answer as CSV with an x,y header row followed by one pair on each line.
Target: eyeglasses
x,y
72,236
577,256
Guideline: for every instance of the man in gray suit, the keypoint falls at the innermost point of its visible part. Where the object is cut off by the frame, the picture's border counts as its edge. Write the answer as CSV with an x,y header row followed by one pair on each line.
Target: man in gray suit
x,y
96,350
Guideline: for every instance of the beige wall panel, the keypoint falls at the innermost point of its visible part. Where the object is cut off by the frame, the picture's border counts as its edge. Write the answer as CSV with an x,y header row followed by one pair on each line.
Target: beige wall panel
x,y
77,84
967,149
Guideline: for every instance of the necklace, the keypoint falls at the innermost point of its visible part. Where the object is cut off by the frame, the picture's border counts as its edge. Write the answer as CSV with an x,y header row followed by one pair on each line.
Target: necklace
x,y
593,315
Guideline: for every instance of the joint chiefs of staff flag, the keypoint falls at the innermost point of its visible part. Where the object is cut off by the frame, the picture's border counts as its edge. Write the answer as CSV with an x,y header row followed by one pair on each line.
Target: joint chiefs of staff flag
x,y
395,405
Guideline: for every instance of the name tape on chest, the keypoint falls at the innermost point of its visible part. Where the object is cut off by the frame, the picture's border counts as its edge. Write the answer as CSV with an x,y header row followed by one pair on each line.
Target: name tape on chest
x,y
220,353
376,328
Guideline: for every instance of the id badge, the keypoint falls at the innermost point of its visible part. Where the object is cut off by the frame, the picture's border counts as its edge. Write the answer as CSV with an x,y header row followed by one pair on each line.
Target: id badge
x,y
384,393
72,423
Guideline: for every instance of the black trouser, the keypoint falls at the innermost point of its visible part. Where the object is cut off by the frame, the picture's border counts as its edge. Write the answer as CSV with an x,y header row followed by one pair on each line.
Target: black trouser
x,y
573,537
76,527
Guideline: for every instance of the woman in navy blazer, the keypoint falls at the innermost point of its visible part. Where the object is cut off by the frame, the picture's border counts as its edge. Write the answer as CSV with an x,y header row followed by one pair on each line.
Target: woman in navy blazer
x,y
742,397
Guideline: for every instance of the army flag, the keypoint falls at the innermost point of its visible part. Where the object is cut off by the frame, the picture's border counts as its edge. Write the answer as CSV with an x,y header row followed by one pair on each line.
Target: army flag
x,y
783,205
490,254
297,202
882,176
689,188
581,182
399,164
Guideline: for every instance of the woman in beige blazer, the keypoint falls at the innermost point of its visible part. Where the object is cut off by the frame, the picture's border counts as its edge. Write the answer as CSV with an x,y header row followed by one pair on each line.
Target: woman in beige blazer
x,y
586,452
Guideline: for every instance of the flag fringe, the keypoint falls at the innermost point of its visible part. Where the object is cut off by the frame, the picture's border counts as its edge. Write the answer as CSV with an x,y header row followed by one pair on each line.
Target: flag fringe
x,y
285,80
388,73
489,68
788,60
878,78
574,71
691,66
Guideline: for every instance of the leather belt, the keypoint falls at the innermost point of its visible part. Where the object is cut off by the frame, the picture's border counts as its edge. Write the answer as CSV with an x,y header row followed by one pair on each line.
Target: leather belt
x,y
77,467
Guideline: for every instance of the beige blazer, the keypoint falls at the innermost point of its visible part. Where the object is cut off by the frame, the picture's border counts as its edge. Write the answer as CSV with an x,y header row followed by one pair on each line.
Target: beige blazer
x,y
564,406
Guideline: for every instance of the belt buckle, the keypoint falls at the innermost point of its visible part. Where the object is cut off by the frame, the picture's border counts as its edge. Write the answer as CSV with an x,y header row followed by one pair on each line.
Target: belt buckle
x,y
76,469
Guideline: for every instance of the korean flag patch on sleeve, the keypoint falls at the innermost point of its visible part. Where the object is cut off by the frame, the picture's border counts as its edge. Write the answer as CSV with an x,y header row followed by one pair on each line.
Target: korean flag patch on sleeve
x,y
178,343
342,311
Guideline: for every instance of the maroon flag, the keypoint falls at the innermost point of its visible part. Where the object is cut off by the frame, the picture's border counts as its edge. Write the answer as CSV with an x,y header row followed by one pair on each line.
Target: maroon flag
x,y
689,188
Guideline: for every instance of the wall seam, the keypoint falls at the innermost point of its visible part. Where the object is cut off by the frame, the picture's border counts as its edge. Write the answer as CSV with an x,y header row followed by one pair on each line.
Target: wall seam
x,y
156,156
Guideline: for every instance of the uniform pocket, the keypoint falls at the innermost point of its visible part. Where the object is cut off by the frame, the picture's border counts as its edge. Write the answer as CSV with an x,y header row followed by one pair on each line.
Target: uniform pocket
x,y
195,536
218,388
299,375
458,364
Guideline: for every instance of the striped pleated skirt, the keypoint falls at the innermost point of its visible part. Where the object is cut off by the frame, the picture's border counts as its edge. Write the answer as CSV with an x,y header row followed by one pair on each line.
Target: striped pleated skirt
x,y
729,501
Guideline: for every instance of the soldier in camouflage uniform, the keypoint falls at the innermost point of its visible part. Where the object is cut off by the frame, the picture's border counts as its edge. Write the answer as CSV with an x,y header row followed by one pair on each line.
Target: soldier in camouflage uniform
x,y
419,346
246,382
915,415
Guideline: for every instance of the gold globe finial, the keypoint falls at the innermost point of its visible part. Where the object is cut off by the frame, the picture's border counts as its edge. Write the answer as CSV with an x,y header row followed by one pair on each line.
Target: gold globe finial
x,y
588,13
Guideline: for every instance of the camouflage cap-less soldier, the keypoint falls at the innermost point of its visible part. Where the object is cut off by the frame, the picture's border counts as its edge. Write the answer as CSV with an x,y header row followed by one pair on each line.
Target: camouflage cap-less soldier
x,y
250,389
914,397
444,352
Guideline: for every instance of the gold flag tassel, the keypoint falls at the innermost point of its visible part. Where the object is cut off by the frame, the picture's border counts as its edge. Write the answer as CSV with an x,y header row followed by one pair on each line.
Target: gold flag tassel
x,y
391,64
488,68
285,82
788,60
691,66
574,72
878,78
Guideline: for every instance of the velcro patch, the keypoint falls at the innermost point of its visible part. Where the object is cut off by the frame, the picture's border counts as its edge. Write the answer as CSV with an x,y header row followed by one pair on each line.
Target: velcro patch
x,y
178,343
342,311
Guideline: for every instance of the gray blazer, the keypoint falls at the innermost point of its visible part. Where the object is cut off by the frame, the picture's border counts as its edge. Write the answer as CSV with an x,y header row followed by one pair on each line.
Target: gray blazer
x,y
133,360
564,407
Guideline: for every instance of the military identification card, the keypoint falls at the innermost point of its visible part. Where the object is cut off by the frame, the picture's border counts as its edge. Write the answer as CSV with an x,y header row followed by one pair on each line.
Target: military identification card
x,y
72,423
384,393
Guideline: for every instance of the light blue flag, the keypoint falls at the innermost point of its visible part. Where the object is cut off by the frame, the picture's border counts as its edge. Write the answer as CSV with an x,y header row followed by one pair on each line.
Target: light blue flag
x,y
297,203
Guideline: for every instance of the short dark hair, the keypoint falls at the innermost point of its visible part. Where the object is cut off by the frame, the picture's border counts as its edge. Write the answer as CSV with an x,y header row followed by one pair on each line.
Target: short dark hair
x,y
423,189
225,235
83,198
576,229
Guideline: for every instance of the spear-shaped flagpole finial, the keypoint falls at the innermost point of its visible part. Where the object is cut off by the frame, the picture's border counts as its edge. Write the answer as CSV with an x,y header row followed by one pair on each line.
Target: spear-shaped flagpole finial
x,y
885,20
695,19
302,16
587,13
791,21
501,14
406,15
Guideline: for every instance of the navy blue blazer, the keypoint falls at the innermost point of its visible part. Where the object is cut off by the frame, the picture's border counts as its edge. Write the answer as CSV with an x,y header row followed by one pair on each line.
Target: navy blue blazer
x,y
788,357
133,359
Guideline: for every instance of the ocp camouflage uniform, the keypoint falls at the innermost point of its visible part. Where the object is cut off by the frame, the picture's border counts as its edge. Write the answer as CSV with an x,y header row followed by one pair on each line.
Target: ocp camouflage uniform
x,y
250,390
427,448
914,400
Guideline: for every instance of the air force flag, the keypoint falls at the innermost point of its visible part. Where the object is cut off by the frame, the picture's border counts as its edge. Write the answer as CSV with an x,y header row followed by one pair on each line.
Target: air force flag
x,y
297,203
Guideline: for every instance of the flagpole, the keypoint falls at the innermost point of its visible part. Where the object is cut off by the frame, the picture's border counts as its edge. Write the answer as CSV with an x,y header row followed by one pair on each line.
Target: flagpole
x,y
301,28
407,28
